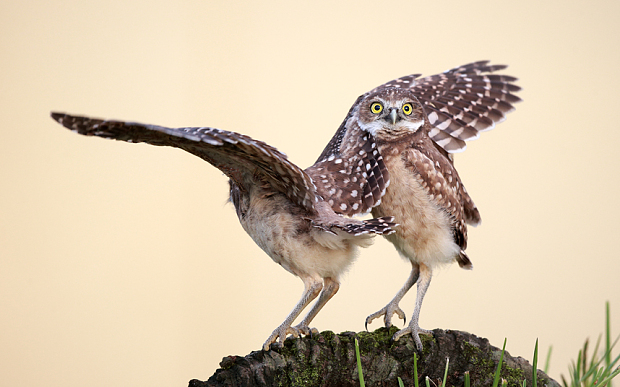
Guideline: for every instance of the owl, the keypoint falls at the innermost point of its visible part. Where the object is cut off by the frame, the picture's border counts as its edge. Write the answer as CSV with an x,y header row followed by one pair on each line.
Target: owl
x,y
391,156
277,203
416,125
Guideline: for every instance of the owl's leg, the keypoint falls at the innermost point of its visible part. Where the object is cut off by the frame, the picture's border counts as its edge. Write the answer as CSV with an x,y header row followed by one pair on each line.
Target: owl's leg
x,y
392,307
424,281
312,288
330,287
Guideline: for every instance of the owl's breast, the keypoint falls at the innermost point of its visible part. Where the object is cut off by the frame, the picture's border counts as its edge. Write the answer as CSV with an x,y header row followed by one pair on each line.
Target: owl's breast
x,y
424,234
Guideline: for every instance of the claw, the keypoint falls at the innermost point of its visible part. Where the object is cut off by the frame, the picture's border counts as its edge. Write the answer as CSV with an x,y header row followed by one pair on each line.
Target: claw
x,y
415,332
278,336
388,311
305,330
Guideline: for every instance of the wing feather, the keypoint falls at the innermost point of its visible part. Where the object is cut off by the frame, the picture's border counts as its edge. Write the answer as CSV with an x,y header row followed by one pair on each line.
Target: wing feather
x,y
350,173
238,156
442,184
462,101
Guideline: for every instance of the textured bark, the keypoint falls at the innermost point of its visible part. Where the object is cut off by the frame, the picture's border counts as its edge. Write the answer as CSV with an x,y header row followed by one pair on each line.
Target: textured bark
x,y
329,360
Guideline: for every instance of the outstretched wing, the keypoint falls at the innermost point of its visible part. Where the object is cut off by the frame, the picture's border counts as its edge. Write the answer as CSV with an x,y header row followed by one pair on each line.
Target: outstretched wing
x,y
240,157
462,102
350,174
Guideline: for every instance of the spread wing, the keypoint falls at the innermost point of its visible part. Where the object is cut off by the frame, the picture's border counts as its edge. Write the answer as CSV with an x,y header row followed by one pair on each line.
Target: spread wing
x,y
462,102
350,174
240,157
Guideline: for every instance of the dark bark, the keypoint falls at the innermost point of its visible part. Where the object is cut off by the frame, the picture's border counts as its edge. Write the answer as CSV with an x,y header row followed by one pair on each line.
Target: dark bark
x,y
329,360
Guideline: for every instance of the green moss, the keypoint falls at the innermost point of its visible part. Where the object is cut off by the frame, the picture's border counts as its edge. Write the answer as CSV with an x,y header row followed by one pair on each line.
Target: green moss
x,y
484,367
301,370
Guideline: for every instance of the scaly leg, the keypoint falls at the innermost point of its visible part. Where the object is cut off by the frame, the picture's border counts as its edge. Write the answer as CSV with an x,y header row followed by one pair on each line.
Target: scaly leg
x,y
312,288
330,287
392,307
424,281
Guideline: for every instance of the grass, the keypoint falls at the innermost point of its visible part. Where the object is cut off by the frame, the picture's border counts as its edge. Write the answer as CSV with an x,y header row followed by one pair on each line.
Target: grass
x,y
594,371
598,370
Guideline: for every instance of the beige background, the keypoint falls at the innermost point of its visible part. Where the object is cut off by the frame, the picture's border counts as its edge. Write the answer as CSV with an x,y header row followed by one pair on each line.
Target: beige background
x,y
123,265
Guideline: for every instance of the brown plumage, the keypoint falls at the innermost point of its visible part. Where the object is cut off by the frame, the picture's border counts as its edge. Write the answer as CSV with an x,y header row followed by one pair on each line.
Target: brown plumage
x,y
394,161
415,125
278,205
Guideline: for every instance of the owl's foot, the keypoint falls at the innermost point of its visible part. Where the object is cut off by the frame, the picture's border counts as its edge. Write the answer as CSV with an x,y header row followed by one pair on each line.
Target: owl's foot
x,y
280,333
390,309
415,331
306,330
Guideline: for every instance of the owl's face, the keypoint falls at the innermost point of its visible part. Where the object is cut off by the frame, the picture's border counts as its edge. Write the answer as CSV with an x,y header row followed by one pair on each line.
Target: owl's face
x,y
391,114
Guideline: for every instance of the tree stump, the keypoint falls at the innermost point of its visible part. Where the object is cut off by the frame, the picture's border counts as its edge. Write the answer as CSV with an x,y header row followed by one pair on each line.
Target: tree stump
x,y
328,359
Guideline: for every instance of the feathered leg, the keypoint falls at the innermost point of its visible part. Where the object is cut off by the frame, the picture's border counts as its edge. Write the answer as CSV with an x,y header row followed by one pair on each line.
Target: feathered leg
x,y
423,282
312,288
392,307
330,287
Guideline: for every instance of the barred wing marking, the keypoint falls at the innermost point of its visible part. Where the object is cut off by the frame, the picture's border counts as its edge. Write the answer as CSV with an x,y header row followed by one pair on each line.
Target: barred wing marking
x,y
462,102
240,157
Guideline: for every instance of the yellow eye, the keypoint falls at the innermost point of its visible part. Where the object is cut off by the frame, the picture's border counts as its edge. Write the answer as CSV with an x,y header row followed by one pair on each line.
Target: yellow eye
x,y
407,109
376,108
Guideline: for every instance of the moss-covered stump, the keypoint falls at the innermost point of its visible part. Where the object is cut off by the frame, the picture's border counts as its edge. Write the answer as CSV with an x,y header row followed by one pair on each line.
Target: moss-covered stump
x,y
329,359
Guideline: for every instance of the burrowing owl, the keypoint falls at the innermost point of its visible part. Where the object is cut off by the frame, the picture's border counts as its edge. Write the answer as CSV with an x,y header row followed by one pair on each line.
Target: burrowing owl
x,y
297,216
415,124
277,203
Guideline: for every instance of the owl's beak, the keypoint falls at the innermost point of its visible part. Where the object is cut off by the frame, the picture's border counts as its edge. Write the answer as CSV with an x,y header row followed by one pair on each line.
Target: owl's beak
x,y
393,116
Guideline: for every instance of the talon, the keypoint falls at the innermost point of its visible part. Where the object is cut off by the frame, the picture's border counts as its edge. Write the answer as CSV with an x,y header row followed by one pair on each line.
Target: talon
x,y
387,322
388,311
304,330
415,332
313,332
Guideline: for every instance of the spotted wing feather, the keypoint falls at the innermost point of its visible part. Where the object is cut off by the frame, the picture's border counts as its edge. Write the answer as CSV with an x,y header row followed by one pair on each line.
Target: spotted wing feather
x,y
238,156
350,173
380,226
462,102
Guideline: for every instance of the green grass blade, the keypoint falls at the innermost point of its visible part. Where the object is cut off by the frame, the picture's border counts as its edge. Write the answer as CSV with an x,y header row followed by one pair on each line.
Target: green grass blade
x,y
577,368
359,364
607,338
445,373
400,382
535,366
613,363
595,353
467,381
564,382
415,370
548,361
603,382
499,366
428,381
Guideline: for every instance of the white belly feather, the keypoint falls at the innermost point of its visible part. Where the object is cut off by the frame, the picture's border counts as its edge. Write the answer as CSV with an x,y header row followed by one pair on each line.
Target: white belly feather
x,y
424,233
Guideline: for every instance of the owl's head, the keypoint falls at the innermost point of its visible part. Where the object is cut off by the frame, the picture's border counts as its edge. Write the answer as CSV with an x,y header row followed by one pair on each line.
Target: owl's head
x,y
390,114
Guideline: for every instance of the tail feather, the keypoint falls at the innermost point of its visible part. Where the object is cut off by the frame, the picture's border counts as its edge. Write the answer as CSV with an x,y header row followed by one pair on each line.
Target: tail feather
x,y
464,261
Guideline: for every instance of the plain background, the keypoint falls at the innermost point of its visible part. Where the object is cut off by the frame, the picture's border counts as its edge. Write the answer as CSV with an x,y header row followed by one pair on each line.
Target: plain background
x,y
122,264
